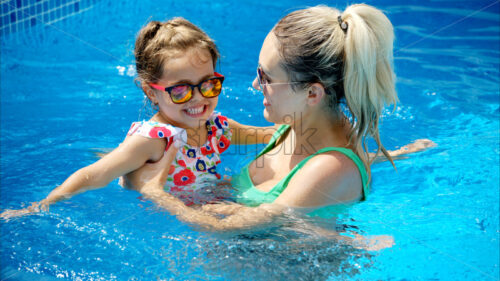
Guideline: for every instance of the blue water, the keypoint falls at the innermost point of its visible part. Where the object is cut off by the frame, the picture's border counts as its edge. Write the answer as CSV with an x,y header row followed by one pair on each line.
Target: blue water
x,y
67,90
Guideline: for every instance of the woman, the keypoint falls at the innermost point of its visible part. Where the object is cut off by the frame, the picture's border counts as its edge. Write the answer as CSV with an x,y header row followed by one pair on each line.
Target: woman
x,y
312,64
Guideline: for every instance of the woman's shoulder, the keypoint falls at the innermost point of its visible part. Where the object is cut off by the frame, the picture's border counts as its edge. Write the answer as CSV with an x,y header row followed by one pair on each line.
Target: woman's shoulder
x,y
327,178
335,161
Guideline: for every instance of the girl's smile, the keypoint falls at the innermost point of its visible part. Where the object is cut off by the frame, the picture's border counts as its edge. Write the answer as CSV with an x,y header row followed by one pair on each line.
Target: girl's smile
x,y
196,111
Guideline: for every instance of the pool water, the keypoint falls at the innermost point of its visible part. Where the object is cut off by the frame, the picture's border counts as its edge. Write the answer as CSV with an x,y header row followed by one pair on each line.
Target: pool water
x,y
67,91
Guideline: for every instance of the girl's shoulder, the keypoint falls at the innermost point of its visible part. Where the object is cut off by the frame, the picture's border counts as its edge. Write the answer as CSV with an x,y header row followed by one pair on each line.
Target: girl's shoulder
x,y
153,129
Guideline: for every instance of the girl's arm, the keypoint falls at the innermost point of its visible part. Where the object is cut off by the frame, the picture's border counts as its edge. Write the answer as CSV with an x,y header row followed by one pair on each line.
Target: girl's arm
x,y
130,155
245,134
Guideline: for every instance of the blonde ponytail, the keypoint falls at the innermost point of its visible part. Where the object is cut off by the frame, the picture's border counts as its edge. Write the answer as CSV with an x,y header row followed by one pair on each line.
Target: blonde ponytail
x,y
350,54
368,70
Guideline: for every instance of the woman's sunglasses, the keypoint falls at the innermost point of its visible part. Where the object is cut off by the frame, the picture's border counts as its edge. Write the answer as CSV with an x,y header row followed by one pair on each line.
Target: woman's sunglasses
x,y
263,82
182,93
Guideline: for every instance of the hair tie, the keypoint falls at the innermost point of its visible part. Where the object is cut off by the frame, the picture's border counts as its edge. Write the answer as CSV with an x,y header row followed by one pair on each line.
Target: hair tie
x,y
342,23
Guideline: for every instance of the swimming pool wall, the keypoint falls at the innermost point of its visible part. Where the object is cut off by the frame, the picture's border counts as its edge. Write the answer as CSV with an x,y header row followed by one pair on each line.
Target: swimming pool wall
x,y
17,15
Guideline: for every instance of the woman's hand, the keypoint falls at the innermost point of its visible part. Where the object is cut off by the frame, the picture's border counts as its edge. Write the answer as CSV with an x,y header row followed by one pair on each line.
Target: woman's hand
x,y
416,146
402,153
222,208
151,175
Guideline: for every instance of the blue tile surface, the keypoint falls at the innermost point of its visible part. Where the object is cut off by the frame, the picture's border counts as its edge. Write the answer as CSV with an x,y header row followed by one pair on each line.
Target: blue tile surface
x,y
25,14
5,8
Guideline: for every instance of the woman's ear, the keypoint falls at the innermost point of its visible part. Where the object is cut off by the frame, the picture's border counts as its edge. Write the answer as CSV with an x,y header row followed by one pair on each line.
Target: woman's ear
x,y
315,94
149,93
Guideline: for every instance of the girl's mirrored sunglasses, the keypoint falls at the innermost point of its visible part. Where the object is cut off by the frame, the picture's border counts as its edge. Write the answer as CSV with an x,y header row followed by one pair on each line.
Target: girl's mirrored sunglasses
x,y
182,93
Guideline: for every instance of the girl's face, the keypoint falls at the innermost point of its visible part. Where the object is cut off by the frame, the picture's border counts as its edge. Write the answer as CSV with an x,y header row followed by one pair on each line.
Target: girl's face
x,y
191,67
282,104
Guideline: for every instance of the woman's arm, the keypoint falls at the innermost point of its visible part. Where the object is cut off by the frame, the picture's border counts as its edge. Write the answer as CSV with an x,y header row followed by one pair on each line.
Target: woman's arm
x,y
150,179
416,146
242,218
232,216
245,134
130,155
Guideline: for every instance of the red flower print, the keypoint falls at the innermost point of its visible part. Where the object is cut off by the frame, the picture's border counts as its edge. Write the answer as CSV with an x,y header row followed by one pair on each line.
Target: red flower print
x,y
223,144
207,149
172,169
218,176
181,163
221,121
214,130
160,132
184,177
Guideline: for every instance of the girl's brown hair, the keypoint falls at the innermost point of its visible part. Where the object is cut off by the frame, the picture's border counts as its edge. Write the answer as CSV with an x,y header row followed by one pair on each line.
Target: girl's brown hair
x,y
159,41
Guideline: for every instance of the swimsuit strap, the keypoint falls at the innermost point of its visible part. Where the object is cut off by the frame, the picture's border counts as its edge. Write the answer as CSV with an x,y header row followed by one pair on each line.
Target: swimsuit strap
x,y
346,151
281,130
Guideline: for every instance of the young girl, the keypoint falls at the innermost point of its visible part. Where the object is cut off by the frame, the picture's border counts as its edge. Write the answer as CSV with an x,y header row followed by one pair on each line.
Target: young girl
x,y
175,63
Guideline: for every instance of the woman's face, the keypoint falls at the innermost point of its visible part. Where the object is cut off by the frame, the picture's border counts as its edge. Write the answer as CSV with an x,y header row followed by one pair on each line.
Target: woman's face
x,y
191,67
282,104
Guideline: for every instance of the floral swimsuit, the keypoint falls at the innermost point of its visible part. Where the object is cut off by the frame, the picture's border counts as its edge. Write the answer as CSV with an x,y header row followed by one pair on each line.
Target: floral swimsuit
x,y
194,168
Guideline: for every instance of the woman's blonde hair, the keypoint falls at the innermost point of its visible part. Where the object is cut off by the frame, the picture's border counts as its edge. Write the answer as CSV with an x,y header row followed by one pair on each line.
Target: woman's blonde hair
x,y
159,41
351,55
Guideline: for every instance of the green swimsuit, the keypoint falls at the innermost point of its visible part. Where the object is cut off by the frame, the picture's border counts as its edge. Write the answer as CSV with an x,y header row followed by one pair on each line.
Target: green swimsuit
x,y
251,196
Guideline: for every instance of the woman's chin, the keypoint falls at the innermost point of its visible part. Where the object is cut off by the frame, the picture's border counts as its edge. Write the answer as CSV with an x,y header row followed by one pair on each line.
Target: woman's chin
x,y
271,117
267,116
